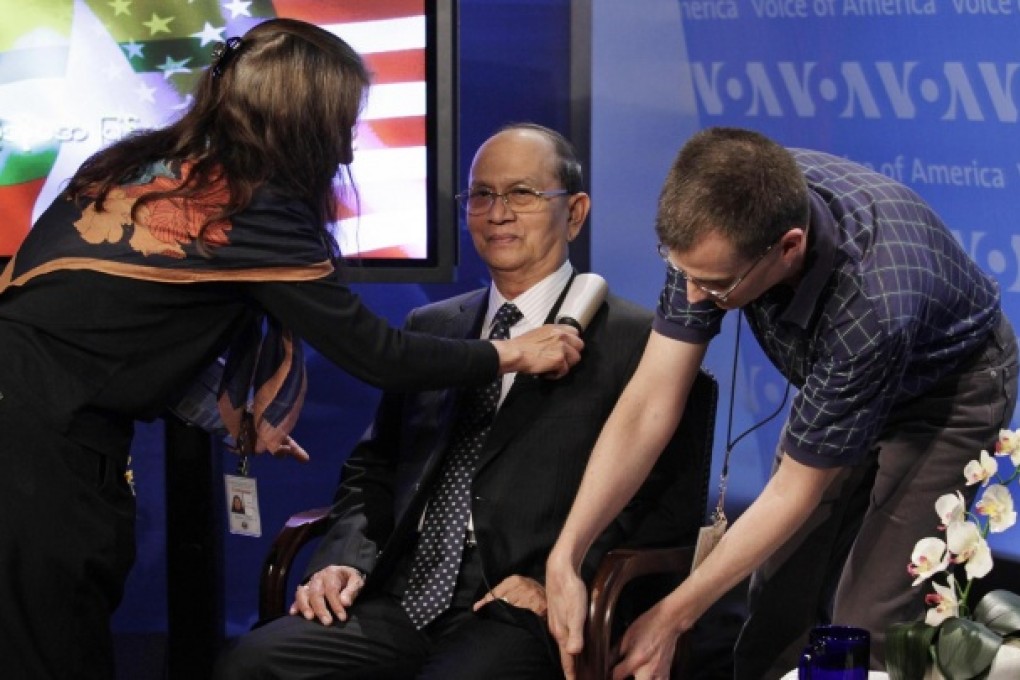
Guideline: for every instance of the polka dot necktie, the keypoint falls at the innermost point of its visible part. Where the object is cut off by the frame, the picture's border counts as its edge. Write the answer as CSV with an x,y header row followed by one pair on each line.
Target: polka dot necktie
x,y
437,556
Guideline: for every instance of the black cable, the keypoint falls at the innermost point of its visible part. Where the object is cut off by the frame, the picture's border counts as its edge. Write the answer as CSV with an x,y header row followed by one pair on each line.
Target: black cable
x,y
730,442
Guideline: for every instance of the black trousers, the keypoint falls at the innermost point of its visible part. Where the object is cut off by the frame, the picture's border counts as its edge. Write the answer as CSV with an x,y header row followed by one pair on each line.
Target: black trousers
x,y
847,564
66,545
378,642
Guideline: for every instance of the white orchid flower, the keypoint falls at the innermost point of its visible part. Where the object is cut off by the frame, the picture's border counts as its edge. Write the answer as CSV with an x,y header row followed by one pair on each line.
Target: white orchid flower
x,y
1009,445
944,599
929,558
951,508
997,505
980,471
965,541
966,534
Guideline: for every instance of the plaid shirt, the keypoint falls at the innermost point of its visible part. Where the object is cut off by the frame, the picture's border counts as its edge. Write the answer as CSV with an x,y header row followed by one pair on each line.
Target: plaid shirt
x,y
889,303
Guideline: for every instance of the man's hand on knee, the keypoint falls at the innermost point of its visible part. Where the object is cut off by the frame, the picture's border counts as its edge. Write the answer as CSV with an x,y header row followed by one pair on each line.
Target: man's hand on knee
x,y
329,591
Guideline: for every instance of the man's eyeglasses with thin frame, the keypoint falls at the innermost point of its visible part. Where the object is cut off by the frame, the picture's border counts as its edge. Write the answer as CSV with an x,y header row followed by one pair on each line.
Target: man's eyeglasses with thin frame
x,y
720,295
518,199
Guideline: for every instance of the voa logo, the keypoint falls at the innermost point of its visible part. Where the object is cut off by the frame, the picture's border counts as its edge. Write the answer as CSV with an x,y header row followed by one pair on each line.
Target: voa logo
x,y
996,252
950,91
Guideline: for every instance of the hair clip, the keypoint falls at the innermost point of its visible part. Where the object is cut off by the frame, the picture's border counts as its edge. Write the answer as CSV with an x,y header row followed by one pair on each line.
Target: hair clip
x,y
222,54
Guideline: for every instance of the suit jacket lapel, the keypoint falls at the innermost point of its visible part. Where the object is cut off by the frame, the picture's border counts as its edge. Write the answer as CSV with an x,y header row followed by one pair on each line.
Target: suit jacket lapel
x,y
465,321
461,321
522,403
521,406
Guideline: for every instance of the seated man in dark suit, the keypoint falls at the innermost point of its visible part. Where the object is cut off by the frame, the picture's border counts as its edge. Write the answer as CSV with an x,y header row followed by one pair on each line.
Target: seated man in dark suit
x,y
435,470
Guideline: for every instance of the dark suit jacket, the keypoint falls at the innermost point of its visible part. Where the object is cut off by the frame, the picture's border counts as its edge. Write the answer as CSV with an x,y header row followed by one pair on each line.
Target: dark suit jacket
x,y
529,469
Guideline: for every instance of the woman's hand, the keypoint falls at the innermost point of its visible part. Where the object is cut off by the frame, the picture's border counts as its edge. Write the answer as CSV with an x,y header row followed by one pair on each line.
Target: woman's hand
x,y
291,448
548,350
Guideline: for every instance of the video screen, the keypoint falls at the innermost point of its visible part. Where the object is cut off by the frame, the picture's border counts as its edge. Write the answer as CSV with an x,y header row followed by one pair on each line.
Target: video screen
x,y
77,75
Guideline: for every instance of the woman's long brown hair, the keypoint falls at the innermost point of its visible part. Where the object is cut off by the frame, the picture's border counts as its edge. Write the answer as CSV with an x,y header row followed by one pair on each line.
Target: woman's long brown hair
x,y
281,112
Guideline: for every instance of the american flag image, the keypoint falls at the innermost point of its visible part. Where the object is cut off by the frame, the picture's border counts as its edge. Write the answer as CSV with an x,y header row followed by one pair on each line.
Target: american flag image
x,y
75,75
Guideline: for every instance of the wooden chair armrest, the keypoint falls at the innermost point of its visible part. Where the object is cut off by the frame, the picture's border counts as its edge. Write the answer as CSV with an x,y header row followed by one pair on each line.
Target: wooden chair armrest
x,y
301,528
618,568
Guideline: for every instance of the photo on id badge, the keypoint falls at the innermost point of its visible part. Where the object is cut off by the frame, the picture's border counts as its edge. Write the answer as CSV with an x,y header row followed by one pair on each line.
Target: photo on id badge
x,y
242,506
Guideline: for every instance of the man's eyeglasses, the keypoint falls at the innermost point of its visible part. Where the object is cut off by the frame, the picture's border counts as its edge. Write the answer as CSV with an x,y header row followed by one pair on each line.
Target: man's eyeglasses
x,y
720,295
517,199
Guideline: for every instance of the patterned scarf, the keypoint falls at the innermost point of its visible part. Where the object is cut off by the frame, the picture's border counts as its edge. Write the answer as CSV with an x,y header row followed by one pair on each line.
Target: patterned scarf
x,y
260,381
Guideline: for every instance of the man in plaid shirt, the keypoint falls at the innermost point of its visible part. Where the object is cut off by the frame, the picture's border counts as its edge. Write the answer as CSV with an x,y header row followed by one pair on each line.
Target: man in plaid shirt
x,y
905,365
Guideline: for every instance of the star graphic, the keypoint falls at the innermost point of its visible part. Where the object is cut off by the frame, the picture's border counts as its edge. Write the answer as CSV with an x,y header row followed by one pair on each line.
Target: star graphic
x,y
146,93
158,24
208,34
170,67
120,7
237,8
133,49
114,71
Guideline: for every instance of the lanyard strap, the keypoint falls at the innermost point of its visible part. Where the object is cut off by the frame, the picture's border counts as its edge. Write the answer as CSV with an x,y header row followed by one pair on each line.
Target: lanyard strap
x,y
730,442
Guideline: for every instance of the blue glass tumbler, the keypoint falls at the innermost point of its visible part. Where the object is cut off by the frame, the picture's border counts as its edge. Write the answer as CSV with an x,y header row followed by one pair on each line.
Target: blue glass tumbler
x,y
835,653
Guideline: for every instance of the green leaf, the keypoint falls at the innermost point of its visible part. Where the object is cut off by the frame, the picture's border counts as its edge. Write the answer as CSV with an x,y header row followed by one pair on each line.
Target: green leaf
x,y
1000,611
965,649
907,650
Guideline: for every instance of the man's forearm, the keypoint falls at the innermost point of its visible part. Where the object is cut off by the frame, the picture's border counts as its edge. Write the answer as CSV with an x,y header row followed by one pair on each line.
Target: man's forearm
x,y
642,422
619,464
783,506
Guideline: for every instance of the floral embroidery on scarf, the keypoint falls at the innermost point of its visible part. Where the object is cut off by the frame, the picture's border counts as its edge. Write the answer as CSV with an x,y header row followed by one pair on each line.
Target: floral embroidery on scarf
x,y
164,226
